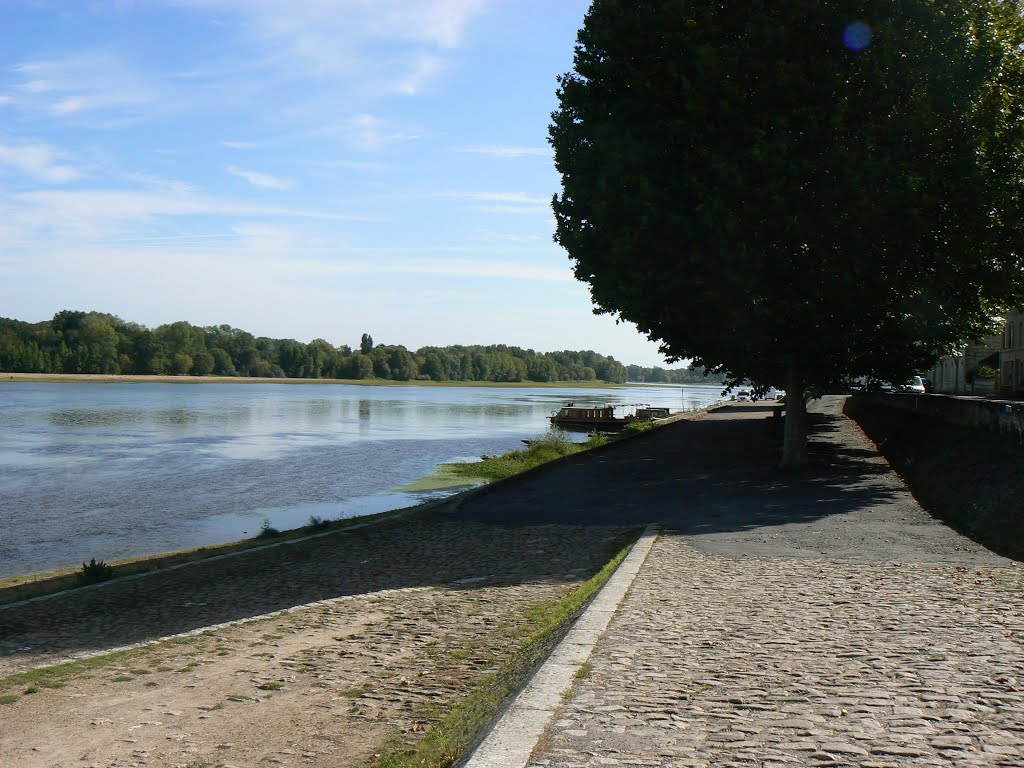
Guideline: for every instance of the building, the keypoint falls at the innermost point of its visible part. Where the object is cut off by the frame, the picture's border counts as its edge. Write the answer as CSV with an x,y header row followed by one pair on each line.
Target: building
x,y
955,374
1011,355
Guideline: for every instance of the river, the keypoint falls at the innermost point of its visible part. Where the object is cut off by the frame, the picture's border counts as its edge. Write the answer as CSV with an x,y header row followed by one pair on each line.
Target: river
x,y
113,470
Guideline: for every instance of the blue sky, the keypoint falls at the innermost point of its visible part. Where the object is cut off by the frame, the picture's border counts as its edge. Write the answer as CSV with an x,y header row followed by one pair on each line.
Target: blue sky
x,y
299,169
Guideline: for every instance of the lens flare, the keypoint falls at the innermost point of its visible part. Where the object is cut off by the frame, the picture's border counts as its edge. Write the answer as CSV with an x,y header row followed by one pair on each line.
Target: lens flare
x,y
857,36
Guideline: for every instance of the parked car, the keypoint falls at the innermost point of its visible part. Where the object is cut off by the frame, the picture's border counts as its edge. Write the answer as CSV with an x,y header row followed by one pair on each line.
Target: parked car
x,y
915,386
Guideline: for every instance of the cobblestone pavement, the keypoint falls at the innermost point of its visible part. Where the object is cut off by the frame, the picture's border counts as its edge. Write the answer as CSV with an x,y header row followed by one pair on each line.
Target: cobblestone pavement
x,y
414,552
875,638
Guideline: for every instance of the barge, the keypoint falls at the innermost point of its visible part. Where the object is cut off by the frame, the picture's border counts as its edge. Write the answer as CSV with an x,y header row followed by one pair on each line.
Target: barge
x,y
603,418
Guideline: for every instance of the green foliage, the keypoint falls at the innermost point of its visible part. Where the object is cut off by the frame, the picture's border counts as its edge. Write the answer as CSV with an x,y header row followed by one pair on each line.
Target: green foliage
x,y
985,372
636,427
553,445
80,342
782,208
94,572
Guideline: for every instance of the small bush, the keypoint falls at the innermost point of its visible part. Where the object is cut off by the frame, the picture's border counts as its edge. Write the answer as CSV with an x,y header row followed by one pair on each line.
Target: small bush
x,y
267,531
94,572
636,427
317,523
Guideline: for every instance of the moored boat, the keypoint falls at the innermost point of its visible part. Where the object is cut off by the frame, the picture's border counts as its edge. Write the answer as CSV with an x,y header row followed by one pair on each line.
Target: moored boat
x,y
603,418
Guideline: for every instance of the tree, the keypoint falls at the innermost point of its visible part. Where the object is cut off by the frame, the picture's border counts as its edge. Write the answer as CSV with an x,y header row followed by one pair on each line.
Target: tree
x,y
366,344
204,364
796,193
181,364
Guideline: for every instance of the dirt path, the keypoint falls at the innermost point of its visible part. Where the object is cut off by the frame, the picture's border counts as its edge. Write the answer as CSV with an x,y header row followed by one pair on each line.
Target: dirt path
x,y
333,646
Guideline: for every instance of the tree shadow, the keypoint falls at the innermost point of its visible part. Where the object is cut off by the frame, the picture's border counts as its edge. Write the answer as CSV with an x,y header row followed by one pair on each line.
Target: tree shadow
x,y
555,524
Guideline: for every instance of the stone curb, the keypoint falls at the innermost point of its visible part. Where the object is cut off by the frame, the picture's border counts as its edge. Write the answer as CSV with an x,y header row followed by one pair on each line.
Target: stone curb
x,y
511,740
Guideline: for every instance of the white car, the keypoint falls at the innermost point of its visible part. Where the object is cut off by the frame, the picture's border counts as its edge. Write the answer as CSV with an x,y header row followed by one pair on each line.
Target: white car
x,y
914,386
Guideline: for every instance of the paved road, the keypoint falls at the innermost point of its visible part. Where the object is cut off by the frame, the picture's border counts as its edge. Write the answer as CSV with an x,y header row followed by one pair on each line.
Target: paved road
x,y
817,619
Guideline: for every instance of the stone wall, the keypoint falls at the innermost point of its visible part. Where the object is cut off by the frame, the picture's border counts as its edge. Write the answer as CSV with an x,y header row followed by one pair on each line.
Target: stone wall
x,y
973,413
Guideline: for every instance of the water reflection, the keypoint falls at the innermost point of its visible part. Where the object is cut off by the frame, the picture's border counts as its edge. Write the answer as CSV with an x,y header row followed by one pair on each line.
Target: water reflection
x,y
113,470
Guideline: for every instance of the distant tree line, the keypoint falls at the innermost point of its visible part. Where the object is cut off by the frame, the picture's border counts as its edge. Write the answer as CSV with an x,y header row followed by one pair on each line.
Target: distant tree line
x,y
93,342
657,375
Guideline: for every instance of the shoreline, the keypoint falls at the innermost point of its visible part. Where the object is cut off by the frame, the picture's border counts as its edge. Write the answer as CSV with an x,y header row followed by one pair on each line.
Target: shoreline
x,y
27,586
102,378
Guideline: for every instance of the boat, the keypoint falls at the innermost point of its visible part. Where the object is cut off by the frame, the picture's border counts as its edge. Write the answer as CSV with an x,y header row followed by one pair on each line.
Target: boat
x,y
603,418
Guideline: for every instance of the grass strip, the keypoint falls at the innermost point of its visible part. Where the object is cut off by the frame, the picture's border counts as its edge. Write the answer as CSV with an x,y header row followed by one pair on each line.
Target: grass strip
x,y
456,730
57,675
553,445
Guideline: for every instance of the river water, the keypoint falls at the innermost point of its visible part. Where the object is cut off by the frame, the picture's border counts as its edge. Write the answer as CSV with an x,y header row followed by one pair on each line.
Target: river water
x,y
116,470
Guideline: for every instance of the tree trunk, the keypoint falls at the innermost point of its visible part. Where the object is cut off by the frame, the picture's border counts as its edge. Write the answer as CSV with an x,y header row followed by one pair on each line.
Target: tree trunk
x,y
794,440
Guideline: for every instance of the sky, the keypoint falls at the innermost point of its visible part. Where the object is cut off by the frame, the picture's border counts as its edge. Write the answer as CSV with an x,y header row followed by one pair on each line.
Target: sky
x,y
304,169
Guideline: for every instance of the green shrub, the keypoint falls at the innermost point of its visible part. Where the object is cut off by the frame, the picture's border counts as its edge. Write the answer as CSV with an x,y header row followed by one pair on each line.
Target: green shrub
x,y
94,572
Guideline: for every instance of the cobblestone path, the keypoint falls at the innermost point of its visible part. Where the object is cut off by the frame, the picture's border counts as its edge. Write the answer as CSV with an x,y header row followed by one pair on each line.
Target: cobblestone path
x,y
724,661
760,647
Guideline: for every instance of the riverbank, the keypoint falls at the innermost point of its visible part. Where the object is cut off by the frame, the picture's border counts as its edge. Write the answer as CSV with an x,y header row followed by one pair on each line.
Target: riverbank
x,y
400,636
98,378
31,585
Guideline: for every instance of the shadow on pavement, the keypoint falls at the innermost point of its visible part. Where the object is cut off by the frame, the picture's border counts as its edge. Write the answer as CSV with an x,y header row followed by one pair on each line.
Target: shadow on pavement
x,y
713,475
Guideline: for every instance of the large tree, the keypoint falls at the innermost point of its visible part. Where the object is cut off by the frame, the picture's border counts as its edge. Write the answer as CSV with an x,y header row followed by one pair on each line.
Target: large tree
x,y
796,192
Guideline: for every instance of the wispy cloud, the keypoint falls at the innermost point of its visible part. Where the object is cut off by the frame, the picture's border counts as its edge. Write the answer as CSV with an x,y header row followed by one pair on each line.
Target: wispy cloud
x,y
84,83
39,161
519,198
257,179
334,38
101,215
497,150
363,131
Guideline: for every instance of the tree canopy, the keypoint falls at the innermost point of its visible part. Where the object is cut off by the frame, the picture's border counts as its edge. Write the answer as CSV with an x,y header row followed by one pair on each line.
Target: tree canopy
x,y
796,193
93,342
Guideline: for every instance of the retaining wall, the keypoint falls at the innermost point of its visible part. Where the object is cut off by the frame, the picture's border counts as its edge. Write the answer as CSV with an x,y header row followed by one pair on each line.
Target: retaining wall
x,y
972,412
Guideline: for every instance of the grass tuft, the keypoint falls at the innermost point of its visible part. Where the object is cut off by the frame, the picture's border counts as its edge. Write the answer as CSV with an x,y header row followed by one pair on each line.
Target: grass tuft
x,y
554,445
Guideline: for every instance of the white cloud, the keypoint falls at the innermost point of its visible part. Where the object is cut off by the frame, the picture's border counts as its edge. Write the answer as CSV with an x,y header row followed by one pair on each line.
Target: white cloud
x,y
244,145
56,216
508,197
66,106
506,151
257,179
85,82
516,203
38,160
421,72
389,45
370,134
